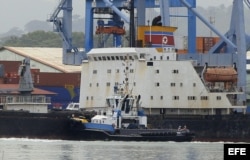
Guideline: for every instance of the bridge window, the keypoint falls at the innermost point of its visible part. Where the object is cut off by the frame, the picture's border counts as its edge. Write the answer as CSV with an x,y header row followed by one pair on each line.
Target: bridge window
x,y
175,97
112,57
94,71
172,84
191,98
204,97
109,71
218,97
150,63
175,71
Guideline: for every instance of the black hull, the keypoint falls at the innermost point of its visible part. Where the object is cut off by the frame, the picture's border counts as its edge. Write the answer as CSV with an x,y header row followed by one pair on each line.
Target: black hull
x,y
98,135
231,128
82,133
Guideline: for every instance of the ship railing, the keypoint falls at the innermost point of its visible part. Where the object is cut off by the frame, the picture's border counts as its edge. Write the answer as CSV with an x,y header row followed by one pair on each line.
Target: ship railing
x,y
25,99
236,102
221,89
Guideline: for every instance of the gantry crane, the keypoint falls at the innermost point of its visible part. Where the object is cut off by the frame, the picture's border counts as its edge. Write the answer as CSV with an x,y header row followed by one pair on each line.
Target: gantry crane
x,y
233,42
63,25
114,8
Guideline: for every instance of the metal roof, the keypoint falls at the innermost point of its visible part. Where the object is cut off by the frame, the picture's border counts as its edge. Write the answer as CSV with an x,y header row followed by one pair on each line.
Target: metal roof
x,y
11,89
48,56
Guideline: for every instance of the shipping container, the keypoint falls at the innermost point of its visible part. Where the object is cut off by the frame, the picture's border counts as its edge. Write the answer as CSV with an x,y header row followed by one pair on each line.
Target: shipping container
x,y
63,95
57,79
203,44
199,45
11,66
65,85
208,43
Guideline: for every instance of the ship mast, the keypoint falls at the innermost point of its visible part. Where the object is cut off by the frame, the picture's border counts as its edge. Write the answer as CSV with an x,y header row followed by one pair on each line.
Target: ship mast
x,y
126,72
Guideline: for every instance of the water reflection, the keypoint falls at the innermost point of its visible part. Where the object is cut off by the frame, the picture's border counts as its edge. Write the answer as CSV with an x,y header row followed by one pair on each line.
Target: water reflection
x,y
98,150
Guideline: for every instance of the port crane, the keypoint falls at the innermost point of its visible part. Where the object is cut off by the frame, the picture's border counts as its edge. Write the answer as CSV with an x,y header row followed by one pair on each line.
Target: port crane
x,y
115,9
63,25
115,25
234,42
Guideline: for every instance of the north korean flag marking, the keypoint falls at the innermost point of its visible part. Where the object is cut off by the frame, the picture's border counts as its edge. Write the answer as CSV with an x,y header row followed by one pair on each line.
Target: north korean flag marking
x,y
159,39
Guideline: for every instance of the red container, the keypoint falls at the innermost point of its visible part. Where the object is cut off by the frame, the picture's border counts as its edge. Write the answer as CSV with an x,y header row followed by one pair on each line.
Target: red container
x,y
11,66
57,79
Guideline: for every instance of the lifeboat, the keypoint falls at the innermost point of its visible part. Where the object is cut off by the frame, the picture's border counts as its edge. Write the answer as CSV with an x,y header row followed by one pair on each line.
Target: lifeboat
x,y
219,74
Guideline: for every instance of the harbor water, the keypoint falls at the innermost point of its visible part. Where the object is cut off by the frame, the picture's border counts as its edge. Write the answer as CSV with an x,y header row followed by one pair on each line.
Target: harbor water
x,y
36,149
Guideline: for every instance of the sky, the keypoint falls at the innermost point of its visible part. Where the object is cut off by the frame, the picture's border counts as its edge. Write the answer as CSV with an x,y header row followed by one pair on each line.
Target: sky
x,y
17,13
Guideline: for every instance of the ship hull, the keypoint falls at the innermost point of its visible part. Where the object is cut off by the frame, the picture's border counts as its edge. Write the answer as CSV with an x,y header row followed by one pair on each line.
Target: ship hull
x,y
55,125
94,134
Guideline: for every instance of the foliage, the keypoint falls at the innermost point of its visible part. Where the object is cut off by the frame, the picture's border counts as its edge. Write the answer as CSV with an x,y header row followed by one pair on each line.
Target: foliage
x,y
42,39
52,39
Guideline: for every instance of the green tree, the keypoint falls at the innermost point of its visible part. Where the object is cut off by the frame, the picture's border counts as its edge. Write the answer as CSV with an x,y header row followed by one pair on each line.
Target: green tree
x,y
42,39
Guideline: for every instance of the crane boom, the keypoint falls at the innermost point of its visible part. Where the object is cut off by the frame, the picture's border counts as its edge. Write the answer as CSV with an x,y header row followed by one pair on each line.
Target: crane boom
x,y
63,25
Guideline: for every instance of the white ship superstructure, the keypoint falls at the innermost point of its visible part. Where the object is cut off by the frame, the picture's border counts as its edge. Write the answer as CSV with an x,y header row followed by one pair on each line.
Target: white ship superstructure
x,y
164,83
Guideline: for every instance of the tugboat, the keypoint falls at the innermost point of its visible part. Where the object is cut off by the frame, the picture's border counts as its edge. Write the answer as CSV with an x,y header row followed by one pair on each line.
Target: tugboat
x,y
123,121
131,126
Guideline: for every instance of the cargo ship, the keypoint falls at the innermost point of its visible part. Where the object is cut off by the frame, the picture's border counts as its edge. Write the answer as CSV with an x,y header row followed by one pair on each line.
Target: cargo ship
x,y
123,118
165,83
219,126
